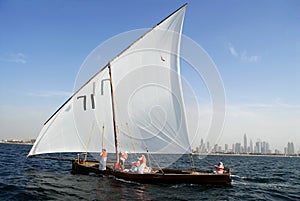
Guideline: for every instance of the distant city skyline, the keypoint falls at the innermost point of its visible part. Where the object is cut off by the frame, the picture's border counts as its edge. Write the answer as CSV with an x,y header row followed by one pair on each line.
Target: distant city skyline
x,y
260,147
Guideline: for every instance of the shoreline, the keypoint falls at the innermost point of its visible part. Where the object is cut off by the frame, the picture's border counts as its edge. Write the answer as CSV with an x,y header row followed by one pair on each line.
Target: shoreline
x,y
21,143
200,154
248,155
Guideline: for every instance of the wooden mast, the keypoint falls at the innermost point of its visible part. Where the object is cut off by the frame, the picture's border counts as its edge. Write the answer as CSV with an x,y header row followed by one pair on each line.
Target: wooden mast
x,y
113,111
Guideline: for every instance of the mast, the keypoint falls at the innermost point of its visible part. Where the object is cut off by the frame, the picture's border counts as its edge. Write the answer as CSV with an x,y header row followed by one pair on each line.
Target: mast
x,y
113,112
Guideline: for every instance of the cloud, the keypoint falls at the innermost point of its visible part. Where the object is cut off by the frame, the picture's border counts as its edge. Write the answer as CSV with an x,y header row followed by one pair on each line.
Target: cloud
x,y
243,55
232,50
55,93
14,58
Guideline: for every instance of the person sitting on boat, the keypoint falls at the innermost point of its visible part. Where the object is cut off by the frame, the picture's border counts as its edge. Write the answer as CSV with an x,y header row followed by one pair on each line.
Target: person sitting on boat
x,y
103,159
142,166
123,158
134,166
220,168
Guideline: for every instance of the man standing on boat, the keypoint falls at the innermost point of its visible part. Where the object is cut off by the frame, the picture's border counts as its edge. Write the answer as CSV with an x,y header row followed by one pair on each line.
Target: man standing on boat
x,y
103,159
123,158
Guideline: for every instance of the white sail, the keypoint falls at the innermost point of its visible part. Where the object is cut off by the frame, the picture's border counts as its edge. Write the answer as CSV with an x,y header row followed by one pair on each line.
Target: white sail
x,y
148,103
77,125
148,94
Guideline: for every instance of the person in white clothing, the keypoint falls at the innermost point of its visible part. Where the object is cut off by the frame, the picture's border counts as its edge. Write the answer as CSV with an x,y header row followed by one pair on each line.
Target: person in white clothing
x,y
142,166
103,159
220,168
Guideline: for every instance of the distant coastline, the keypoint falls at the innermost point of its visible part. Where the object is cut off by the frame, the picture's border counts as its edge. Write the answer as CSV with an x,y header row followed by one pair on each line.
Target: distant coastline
x,y
246,154
31,142
25,142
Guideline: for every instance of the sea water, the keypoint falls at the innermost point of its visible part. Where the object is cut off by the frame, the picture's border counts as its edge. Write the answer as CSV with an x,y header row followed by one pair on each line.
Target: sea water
x,y
253,178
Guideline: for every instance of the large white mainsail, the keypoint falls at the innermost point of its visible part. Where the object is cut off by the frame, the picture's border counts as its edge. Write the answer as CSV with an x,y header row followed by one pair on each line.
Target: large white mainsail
x,y
147,95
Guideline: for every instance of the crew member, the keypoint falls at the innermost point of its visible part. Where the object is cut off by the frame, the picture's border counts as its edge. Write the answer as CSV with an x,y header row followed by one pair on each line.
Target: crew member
x,y
142,166
123,158
220,168
103,159
134,166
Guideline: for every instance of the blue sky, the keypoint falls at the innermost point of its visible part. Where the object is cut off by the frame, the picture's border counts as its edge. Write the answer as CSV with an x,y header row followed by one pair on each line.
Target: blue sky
x,y
254,44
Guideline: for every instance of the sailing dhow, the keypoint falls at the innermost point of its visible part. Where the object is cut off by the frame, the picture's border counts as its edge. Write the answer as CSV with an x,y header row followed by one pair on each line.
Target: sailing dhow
x,y
133,103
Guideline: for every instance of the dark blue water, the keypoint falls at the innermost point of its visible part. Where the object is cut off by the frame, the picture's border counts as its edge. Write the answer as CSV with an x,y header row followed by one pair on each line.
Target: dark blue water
x,y
254,178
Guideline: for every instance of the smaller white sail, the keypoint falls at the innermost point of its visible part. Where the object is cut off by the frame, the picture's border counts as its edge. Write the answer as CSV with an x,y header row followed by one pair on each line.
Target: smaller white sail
x,y
77,125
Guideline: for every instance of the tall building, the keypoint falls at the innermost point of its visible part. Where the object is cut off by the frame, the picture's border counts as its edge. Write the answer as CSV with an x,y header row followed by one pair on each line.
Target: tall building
x,y
251,146
226,148
290,148
207,146
202,146
265,148
237,148
257,148
245,144
268,150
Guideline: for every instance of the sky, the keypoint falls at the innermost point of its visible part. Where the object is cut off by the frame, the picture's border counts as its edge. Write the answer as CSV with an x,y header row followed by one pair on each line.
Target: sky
x,y
255,46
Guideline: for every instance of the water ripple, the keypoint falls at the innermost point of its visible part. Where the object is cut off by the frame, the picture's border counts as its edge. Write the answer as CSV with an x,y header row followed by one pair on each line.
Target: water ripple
x,y
36,179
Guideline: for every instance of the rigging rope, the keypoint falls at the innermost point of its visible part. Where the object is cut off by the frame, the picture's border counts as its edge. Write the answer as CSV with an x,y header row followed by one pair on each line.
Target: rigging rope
x,y
208,162
150,155
118,134
103,136
126,143
192,161
131,140
91,133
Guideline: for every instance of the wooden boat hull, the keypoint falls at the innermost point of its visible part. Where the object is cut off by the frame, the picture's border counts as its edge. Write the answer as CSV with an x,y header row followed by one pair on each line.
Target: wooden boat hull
x,y
173,177
166,176
88,167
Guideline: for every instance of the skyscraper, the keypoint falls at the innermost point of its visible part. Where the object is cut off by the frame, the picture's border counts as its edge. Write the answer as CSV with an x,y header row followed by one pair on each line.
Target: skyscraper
x,y
207,146
257,148
202,146
226,148
251,146
245,144
237,148
290,148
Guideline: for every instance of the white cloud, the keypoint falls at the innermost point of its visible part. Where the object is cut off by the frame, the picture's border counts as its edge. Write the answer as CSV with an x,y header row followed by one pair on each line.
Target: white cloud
x,y
232,50
55,93
14,58
243,55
